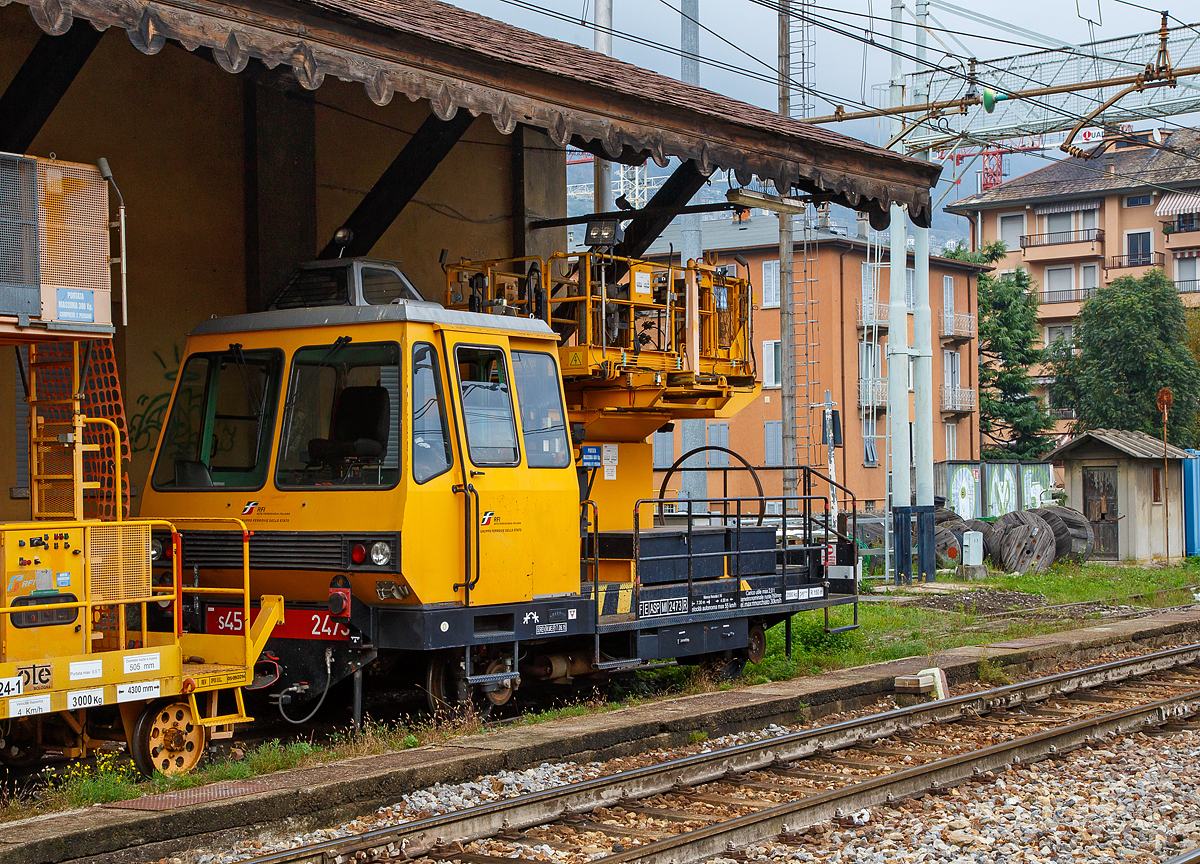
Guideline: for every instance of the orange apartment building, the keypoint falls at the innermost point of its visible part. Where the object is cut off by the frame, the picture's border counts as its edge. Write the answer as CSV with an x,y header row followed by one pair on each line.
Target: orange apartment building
x,y
1077,224
848,357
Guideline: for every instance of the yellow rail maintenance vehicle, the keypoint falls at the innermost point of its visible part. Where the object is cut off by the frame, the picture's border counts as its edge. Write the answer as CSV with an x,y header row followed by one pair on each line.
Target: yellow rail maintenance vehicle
x,y
425,482
92,645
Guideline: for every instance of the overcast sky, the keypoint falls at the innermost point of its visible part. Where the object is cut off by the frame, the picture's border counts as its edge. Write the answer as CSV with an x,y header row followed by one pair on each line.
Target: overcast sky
x,y
845,68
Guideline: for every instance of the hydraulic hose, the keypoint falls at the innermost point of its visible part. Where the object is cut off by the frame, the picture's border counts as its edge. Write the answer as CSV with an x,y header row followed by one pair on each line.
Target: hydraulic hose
x,y
324,693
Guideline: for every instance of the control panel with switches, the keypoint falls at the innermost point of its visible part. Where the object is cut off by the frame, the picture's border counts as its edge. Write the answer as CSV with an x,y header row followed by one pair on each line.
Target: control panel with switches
x,y
39,570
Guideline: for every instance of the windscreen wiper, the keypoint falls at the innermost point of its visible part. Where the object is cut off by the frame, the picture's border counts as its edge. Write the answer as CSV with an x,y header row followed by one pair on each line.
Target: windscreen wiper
x,y
256,401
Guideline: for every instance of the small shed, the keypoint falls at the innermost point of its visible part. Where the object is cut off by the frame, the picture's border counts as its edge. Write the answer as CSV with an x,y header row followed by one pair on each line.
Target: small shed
x,y
1121,483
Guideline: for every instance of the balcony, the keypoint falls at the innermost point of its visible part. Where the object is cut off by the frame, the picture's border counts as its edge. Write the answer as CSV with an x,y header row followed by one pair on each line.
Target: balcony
x,y
1182,233
872,392
1068,295
873,314
1187,286
1061,413
1063,245
1137,259
958,400
957,326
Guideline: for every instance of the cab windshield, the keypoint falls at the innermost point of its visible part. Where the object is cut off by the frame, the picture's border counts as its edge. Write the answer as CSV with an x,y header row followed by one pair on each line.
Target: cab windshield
x,y
221,423
341,420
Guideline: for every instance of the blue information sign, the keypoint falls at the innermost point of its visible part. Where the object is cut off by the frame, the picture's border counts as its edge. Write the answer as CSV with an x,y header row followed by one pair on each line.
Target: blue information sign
x,y
75,305
589,455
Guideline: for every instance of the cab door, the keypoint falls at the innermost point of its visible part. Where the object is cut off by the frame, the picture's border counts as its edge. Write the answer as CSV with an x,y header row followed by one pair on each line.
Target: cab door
x,y
494,468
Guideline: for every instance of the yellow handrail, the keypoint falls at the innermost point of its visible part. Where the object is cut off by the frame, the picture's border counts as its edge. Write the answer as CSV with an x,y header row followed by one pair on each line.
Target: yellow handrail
x,y
116,432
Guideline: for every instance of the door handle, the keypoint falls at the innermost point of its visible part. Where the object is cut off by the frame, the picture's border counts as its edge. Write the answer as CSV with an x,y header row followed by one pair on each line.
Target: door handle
x,y
477,473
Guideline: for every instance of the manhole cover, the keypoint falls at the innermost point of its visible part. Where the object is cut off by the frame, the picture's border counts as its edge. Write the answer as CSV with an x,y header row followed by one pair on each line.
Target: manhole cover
x,y
188,797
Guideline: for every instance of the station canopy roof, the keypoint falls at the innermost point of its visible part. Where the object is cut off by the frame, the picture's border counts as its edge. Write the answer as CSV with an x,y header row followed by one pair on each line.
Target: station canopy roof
x,y
460,60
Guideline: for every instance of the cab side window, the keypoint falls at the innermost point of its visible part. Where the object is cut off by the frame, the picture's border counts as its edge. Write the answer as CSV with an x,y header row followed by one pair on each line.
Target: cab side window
x,y
487,405
543,421
431,439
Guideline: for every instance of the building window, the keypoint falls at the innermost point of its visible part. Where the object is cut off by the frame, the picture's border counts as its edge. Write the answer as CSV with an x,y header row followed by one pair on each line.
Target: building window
x,y
718,436
773,442
664,450
1138,245
772,371
774,508
1157,485
910,290
1059,226
1185,275
1089,277
870,451
1060,287
912,374
770,284
951,441
948,299
1088,219
1011,229
1138,201
1055,332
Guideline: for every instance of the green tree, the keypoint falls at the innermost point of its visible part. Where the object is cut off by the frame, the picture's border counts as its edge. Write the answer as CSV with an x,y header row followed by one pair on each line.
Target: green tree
x,y
1131,340
1012,421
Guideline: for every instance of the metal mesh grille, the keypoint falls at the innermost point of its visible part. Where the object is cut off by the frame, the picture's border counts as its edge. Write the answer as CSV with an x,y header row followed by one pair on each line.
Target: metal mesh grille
x,y
19,278
119,558
73,226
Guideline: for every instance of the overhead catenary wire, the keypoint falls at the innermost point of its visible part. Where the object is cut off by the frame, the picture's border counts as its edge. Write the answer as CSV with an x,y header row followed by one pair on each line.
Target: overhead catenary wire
x,y
823,95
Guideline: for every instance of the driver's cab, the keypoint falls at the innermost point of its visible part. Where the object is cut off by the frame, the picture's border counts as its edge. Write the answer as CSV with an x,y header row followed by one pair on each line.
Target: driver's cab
x,y
436,438
345,282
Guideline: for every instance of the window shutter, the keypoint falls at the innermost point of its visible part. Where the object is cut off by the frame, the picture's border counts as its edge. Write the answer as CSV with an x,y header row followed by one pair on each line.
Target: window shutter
x,y
769,376
951,441
770,283
664,449
870,454
948,298
910,289
773,443
868,292
718,436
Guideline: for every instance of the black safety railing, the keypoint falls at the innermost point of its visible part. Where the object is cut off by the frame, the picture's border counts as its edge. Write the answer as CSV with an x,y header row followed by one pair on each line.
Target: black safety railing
x,y
1055,238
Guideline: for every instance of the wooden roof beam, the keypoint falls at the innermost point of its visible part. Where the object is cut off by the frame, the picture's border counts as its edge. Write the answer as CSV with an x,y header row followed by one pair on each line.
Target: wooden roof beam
x,y
41,82
399,183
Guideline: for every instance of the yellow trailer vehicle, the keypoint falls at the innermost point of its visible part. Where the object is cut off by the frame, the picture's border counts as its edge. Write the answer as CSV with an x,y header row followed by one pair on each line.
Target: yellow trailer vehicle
x,y
92,646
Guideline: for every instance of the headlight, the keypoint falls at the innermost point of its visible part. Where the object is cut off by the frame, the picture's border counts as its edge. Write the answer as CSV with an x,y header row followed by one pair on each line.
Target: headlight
x,y
156,549
381,553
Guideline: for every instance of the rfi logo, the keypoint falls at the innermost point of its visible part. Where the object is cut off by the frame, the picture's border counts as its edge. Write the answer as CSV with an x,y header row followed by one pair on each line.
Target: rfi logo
x,y
487,517
249,508
531,616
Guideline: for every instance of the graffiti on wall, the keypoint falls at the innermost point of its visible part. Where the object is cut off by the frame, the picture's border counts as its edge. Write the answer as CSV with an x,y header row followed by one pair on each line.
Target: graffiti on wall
x,y
147,422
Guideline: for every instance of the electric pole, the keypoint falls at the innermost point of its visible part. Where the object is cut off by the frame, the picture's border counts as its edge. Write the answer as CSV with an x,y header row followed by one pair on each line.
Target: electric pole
x,y
602,196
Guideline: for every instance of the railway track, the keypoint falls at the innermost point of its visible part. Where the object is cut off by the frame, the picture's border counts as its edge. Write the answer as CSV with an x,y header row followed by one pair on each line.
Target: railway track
x,y
702,806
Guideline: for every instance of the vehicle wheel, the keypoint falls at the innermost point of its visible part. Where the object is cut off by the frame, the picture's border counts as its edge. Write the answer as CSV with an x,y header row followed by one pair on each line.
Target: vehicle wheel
x,y
725,665
167,738
447,690
19,748
756,648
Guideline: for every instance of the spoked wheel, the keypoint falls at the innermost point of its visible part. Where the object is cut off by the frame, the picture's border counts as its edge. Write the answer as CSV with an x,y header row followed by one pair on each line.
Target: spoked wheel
x,y
446,687
167,738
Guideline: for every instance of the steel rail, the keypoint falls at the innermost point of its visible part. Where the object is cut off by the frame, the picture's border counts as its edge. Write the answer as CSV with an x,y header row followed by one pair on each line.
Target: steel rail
x,y
714,840
420,836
